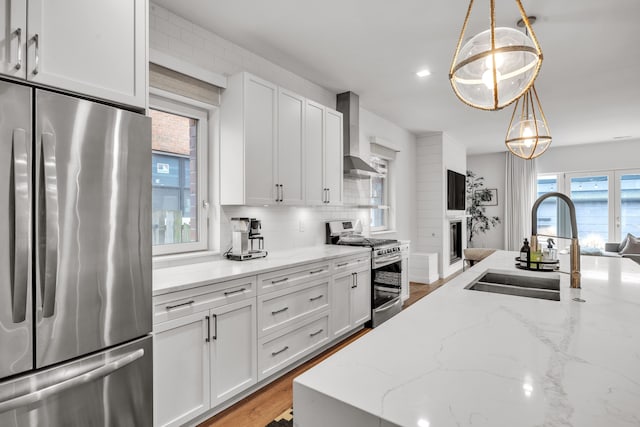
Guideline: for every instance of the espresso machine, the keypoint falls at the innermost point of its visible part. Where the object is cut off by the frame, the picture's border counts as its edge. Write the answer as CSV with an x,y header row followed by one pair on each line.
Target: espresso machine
x,y
248,243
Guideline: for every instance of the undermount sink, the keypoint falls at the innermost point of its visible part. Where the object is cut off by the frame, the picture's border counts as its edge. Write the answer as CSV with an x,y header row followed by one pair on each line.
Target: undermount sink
x,y
519,285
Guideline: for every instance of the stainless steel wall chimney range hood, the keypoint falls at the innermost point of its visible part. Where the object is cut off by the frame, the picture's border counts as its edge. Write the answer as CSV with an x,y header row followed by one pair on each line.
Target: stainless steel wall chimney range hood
x,y
348,103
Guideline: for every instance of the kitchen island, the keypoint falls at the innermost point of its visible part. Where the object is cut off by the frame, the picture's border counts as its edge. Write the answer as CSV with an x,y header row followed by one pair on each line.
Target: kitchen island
x,y
462,357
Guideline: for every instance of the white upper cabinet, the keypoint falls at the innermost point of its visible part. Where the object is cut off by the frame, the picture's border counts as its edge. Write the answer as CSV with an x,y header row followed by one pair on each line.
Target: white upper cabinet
x,y
248,141
314,149
333,157
90,47
323,146
277,147
13,38
291,108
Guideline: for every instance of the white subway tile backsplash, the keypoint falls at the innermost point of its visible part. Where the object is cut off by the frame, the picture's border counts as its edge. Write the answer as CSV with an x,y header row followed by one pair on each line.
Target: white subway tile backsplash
x,y
281,225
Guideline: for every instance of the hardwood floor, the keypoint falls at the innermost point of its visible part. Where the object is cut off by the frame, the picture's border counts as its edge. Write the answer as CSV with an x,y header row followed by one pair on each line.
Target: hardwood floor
x,y
261,407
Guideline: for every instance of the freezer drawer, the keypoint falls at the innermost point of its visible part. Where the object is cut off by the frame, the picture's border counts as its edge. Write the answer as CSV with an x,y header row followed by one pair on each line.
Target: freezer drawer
x,y
111,388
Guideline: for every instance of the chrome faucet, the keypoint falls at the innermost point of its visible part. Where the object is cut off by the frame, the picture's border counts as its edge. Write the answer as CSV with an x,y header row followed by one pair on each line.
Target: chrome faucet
x,y
575,246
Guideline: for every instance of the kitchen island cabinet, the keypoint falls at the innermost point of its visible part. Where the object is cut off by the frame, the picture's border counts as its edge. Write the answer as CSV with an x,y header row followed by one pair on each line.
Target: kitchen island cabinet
x,y
466,357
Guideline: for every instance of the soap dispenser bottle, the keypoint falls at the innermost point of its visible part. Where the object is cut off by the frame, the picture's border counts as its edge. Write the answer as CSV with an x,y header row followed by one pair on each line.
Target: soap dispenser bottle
x,y
525,254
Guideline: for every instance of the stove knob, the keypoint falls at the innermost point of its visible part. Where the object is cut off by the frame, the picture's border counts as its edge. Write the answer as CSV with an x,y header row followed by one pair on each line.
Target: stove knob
x,y
379,252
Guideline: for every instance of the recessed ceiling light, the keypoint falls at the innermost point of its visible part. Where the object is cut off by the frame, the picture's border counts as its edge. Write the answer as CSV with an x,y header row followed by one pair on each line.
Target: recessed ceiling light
x,y
622,137
423,73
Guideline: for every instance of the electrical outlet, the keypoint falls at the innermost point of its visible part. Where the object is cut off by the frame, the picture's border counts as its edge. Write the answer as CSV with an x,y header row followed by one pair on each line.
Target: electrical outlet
x,y
301,226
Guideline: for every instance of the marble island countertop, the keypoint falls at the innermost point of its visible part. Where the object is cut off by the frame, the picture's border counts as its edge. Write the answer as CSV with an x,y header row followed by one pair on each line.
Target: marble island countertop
x,y
172,279
467,358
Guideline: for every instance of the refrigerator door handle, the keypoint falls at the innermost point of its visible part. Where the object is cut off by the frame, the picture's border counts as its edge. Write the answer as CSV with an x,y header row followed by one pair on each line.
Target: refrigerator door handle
x,y
48,231
87,377
19,240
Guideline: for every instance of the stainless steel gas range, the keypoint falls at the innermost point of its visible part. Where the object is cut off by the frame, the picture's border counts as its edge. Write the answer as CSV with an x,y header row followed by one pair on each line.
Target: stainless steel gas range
x,y
386,267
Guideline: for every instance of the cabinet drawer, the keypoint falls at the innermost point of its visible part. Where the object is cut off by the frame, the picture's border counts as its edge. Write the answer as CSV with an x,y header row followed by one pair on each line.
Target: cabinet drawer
x,y
281,279
355,263
280,309
275,353
183,303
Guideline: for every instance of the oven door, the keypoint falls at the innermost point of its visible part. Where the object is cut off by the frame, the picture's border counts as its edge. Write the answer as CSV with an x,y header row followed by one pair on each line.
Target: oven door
x,y
386,278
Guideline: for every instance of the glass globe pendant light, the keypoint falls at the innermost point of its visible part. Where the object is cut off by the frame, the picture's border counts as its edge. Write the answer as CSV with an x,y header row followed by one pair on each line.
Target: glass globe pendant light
x,y
496,66
528,135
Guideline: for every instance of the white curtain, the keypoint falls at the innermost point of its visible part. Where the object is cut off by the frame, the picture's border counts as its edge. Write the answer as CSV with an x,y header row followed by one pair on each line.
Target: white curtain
x,y
520,194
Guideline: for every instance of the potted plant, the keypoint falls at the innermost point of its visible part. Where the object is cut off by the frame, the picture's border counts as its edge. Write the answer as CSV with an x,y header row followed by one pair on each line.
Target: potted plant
x,y
478,221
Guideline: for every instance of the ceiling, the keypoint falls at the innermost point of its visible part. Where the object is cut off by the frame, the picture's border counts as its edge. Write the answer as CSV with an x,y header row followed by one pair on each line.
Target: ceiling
x,y
589,85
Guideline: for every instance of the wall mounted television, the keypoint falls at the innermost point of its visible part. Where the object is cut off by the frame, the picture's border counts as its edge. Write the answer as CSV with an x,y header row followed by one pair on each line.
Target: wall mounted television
x,y
456,191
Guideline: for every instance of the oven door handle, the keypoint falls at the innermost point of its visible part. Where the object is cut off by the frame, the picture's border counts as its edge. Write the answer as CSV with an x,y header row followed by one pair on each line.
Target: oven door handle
x,y
387,306
381,262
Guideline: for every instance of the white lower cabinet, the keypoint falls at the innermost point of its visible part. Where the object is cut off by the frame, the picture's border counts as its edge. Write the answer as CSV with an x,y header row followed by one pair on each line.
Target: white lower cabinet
x,y
351,298
361,297
203,359
276,351
181,377
213,342
233,350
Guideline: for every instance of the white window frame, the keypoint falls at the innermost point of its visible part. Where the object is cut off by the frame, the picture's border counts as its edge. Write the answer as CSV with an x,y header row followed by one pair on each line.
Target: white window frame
x,y
386,226
205,114
613,175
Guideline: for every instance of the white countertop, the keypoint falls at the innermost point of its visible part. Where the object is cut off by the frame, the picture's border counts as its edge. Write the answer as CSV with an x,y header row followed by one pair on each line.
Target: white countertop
x,y
172,279
460,357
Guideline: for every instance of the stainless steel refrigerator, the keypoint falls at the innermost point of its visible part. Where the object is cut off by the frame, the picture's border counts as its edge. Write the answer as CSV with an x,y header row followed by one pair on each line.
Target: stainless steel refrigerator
x,y
75,262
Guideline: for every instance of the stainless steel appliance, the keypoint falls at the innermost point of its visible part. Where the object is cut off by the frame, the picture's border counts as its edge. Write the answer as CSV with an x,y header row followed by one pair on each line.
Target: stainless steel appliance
x,y
386,267
246,231
75,262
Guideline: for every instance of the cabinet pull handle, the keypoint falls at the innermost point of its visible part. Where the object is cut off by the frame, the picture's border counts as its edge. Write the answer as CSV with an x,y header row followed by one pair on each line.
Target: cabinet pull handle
x,y
215,327
36,42
328,195
354,276
282,192
316,298
282,310
275,353
317,271
19,36
313,334
277,193
170,307
280,280
342,265
237,291
208,319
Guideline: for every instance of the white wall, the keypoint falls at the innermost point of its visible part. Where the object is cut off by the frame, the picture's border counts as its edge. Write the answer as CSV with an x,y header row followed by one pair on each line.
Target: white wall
x,y
492,168
591,157
174,35
182,39
403,172
435,154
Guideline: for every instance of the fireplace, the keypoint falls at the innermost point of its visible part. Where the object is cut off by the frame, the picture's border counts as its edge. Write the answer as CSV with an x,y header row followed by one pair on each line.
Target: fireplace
x,y
455,242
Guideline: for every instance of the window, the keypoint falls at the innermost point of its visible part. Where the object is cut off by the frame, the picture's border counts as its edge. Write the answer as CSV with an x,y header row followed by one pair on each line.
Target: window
x,y
628,217
179,176
380,195
607,206
548,210
590,195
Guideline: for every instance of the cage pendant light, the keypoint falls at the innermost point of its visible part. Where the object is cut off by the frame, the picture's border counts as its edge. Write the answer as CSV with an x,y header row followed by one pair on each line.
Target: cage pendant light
x,y
528,135
496,66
